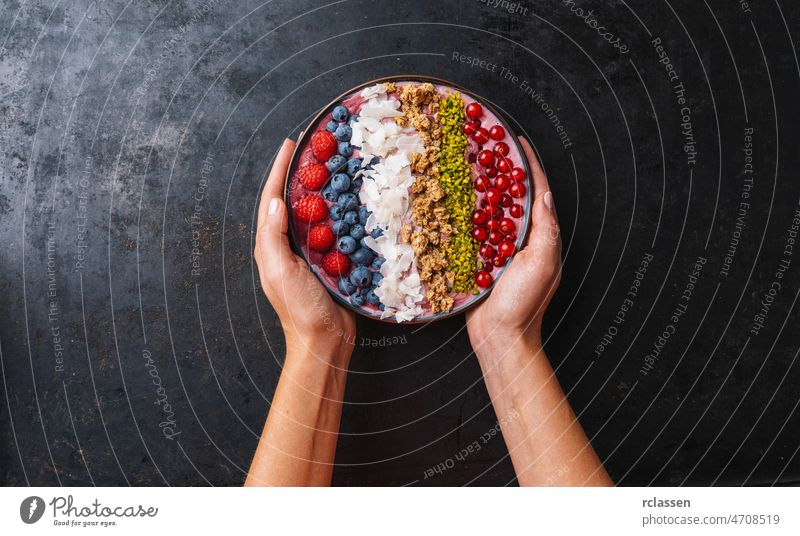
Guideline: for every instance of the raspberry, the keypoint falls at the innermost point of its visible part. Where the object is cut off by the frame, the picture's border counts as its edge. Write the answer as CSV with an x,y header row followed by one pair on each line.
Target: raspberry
x,y
320,237
336,263
310,208
323,145
313,176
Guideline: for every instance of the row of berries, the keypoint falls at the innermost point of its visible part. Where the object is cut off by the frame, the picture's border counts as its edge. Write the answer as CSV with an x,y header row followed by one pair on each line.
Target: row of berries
x,y
352,261
500,183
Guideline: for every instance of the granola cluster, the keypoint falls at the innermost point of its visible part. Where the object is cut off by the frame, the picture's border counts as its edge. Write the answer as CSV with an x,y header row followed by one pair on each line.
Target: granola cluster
x,y
430,235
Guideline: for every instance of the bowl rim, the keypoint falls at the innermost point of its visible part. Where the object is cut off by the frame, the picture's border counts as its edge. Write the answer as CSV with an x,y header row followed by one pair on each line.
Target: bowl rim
x,y
300,145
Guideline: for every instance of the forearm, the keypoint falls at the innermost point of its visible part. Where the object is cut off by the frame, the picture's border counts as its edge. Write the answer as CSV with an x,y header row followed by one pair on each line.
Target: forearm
x,y
546,442
298,444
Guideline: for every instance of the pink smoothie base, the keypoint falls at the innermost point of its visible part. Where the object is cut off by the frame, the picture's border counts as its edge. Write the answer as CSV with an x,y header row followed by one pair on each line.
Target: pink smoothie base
x,y
353,101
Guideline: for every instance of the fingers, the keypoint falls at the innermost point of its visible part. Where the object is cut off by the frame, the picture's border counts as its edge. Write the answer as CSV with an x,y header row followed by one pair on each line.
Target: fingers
x,y
540,184
276,179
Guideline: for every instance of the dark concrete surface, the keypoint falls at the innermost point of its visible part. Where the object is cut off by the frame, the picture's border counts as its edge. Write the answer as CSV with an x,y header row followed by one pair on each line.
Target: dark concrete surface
x,y
135,137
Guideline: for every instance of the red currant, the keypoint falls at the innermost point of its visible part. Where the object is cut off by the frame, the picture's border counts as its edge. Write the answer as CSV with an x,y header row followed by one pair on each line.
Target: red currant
x,y
495,237
512,238
517,189
515,210
518,174
483,279
486,158
486,251
470,127
481,183
497,132
487,266
499,260
506,248
501,148
506,201
479,217
493,225
493,196
504,165
507,226
474,110
481,136
471,158
479,234
484,203
502,182
496,213
490,172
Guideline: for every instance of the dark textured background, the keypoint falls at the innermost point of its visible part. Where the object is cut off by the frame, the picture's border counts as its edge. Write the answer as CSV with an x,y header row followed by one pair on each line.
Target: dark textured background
x,y
118,104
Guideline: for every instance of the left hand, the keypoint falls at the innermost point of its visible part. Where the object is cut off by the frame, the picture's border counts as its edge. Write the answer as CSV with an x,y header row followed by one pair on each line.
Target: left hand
x,y
312,322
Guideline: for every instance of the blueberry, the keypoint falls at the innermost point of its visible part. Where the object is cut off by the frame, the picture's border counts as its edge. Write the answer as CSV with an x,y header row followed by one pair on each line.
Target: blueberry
x,y
377,263
340,113
382,307
362,256
353,165
336,212
357,231
376,232
349,202
354,118
331,126
363,214
372,298
360,276
345,149
355,185
351,217
340,183
343,132
347,244
357,299
376,279
363,244
341,228
329,194
346,287
335,163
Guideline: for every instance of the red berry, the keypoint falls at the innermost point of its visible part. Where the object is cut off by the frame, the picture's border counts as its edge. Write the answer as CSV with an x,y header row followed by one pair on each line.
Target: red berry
x,y
336,263
479,217
481,136
479,233
486,251
507,226
506,248
473,110
505,200
313,176
497,132
320,237
495,237
310,208
493,196
501,148
502,182
518,174
499,260
487,266
491,172
482,183
512,238
495,212
323,145
504,165
471,158
486,158
483,279
484,203
493,225
470,127
517,189
515,210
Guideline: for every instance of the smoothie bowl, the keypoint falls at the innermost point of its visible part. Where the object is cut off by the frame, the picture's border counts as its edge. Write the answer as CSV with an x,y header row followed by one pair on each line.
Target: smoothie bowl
x,y
408,197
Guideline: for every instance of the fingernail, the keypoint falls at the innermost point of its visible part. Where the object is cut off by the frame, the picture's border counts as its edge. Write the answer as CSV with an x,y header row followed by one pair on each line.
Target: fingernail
x,y
273,206
548,200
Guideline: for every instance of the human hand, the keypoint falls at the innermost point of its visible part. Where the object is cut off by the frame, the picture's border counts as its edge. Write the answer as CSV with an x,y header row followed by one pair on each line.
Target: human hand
x,y
312,322
519,299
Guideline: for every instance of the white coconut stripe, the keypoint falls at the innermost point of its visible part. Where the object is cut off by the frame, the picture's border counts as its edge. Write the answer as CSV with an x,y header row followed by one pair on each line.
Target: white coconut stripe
x,y
385,194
